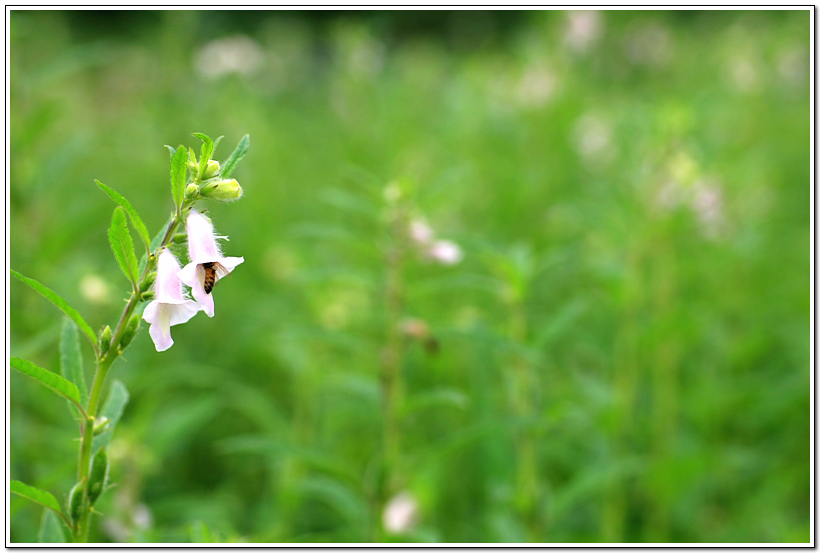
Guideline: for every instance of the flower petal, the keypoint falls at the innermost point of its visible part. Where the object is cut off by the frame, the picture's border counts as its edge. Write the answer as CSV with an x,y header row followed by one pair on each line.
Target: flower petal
x,y
160,331
168,287
202,246
183,312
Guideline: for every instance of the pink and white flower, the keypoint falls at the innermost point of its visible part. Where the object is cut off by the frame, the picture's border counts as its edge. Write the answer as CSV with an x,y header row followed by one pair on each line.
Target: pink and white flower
x,y
204,252
170,306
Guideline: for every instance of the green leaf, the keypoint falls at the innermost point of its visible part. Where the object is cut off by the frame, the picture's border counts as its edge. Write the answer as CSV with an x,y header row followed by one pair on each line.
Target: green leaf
x,y
139,226
71,359
171,149
61,304
178,172
205,153
48,379
35,494
123,246
51,529
231,163
112,410
216,143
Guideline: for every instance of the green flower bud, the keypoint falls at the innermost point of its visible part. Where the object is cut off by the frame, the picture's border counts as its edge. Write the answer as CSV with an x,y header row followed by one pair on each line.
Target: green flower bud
x,y
222,190
192,165
148,281
99,476
105,339
130,331
180,238
211,170
192,191
147,296
100,425
75,503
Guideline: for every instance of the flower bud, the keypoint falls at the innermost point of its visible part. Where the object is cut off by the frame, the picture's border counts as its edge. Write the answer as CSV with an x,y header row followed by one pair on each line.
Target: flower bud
x,y
192,165
130,331
100,425
180,238
99,476
211,170
222,190
105,339
147,296
75,503
148,281
192,191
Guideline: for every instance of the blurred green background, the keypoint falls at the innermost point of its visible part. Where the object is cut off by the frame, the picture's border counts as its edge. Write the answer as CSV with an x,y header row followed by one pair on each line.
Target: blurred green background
x,y
622,354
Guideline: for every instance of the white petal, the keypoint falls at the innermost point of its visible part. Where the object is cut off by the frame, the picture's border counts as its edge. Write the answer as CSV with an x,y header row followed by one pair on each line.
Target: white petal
x,y
206,301
202,246
183,312
160,331
168,287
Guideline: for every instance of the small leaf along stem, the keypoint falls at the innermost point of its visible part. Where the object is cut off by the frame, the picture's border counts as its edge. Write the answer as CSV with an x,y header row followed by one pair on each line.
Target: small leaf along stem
x,y
104,363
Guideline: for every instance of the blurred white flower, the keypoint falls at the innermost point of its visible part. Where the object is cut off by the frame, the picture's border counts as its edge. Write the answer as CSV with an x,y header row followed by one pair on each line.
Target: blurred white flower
x,y
650,45
593,137
95,289
445,252
536,87
793,66
707,203
584,28
420,232
400,514
743,74
141,516
235,54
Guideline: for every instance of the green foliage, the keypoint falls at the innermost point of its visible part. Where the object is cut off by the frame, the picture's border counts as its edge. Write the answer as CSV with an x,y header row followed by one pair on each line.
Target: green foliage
x,y
631,313
61,304
71,359
53,381
236,156
205,154
123,246
98,477
34,494
112,410
179,170
51,529
140,227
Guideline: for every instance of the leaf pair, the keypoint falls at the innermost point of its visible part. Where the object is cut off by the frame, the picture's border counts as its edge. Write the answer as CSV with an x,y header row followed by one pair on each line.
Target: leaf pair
x,y
120,238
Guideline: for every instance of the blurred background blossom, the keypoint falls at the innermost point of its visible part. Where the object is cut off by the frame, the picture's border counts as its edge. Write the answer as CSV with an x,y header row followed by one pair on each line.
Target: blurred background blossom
x,y
603,332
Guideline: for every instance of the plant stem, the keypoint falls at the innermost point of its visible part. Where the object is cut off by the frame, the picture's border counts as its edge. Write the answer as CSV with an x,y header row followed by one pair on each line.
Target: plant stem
x,y
103,365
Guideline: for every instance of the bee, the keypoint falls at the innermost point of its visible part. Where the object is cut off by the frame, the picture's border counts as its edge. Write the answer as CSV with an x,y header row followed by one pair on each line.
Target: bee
x,y
213,270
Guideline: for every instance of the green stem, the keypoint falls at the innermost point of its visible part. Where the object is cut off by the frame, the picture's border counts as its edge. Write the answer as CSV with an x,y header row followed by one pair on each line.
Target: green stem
x,y
103,365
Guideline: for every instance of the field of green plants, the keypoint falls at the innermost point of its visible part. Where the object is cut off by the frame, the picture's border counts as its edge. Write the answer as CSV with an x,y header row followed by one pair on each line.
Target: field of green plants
x,y
508,277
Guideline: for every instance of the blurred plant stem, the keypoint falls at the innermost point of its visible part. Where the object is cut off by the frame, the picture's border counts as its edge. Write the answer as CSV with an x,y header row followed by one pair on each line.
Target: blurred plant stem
x,y
664,382
393,348
104,363
525,387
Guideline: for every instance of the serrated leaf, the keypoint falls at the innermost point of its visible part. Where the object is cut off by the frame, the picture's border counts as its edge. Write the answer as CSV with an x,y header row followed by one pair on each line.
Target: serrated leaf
x,y
123,246
62,305
112,410
231,163
139,226
35,494
178,170
172,150
71,359
53,381
51,529
205,153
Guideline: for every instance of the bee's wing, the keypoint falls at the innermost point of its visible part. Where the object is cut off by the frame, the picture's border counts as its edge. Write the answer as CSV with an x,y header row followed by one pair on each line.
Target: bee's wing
x,y
221,271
